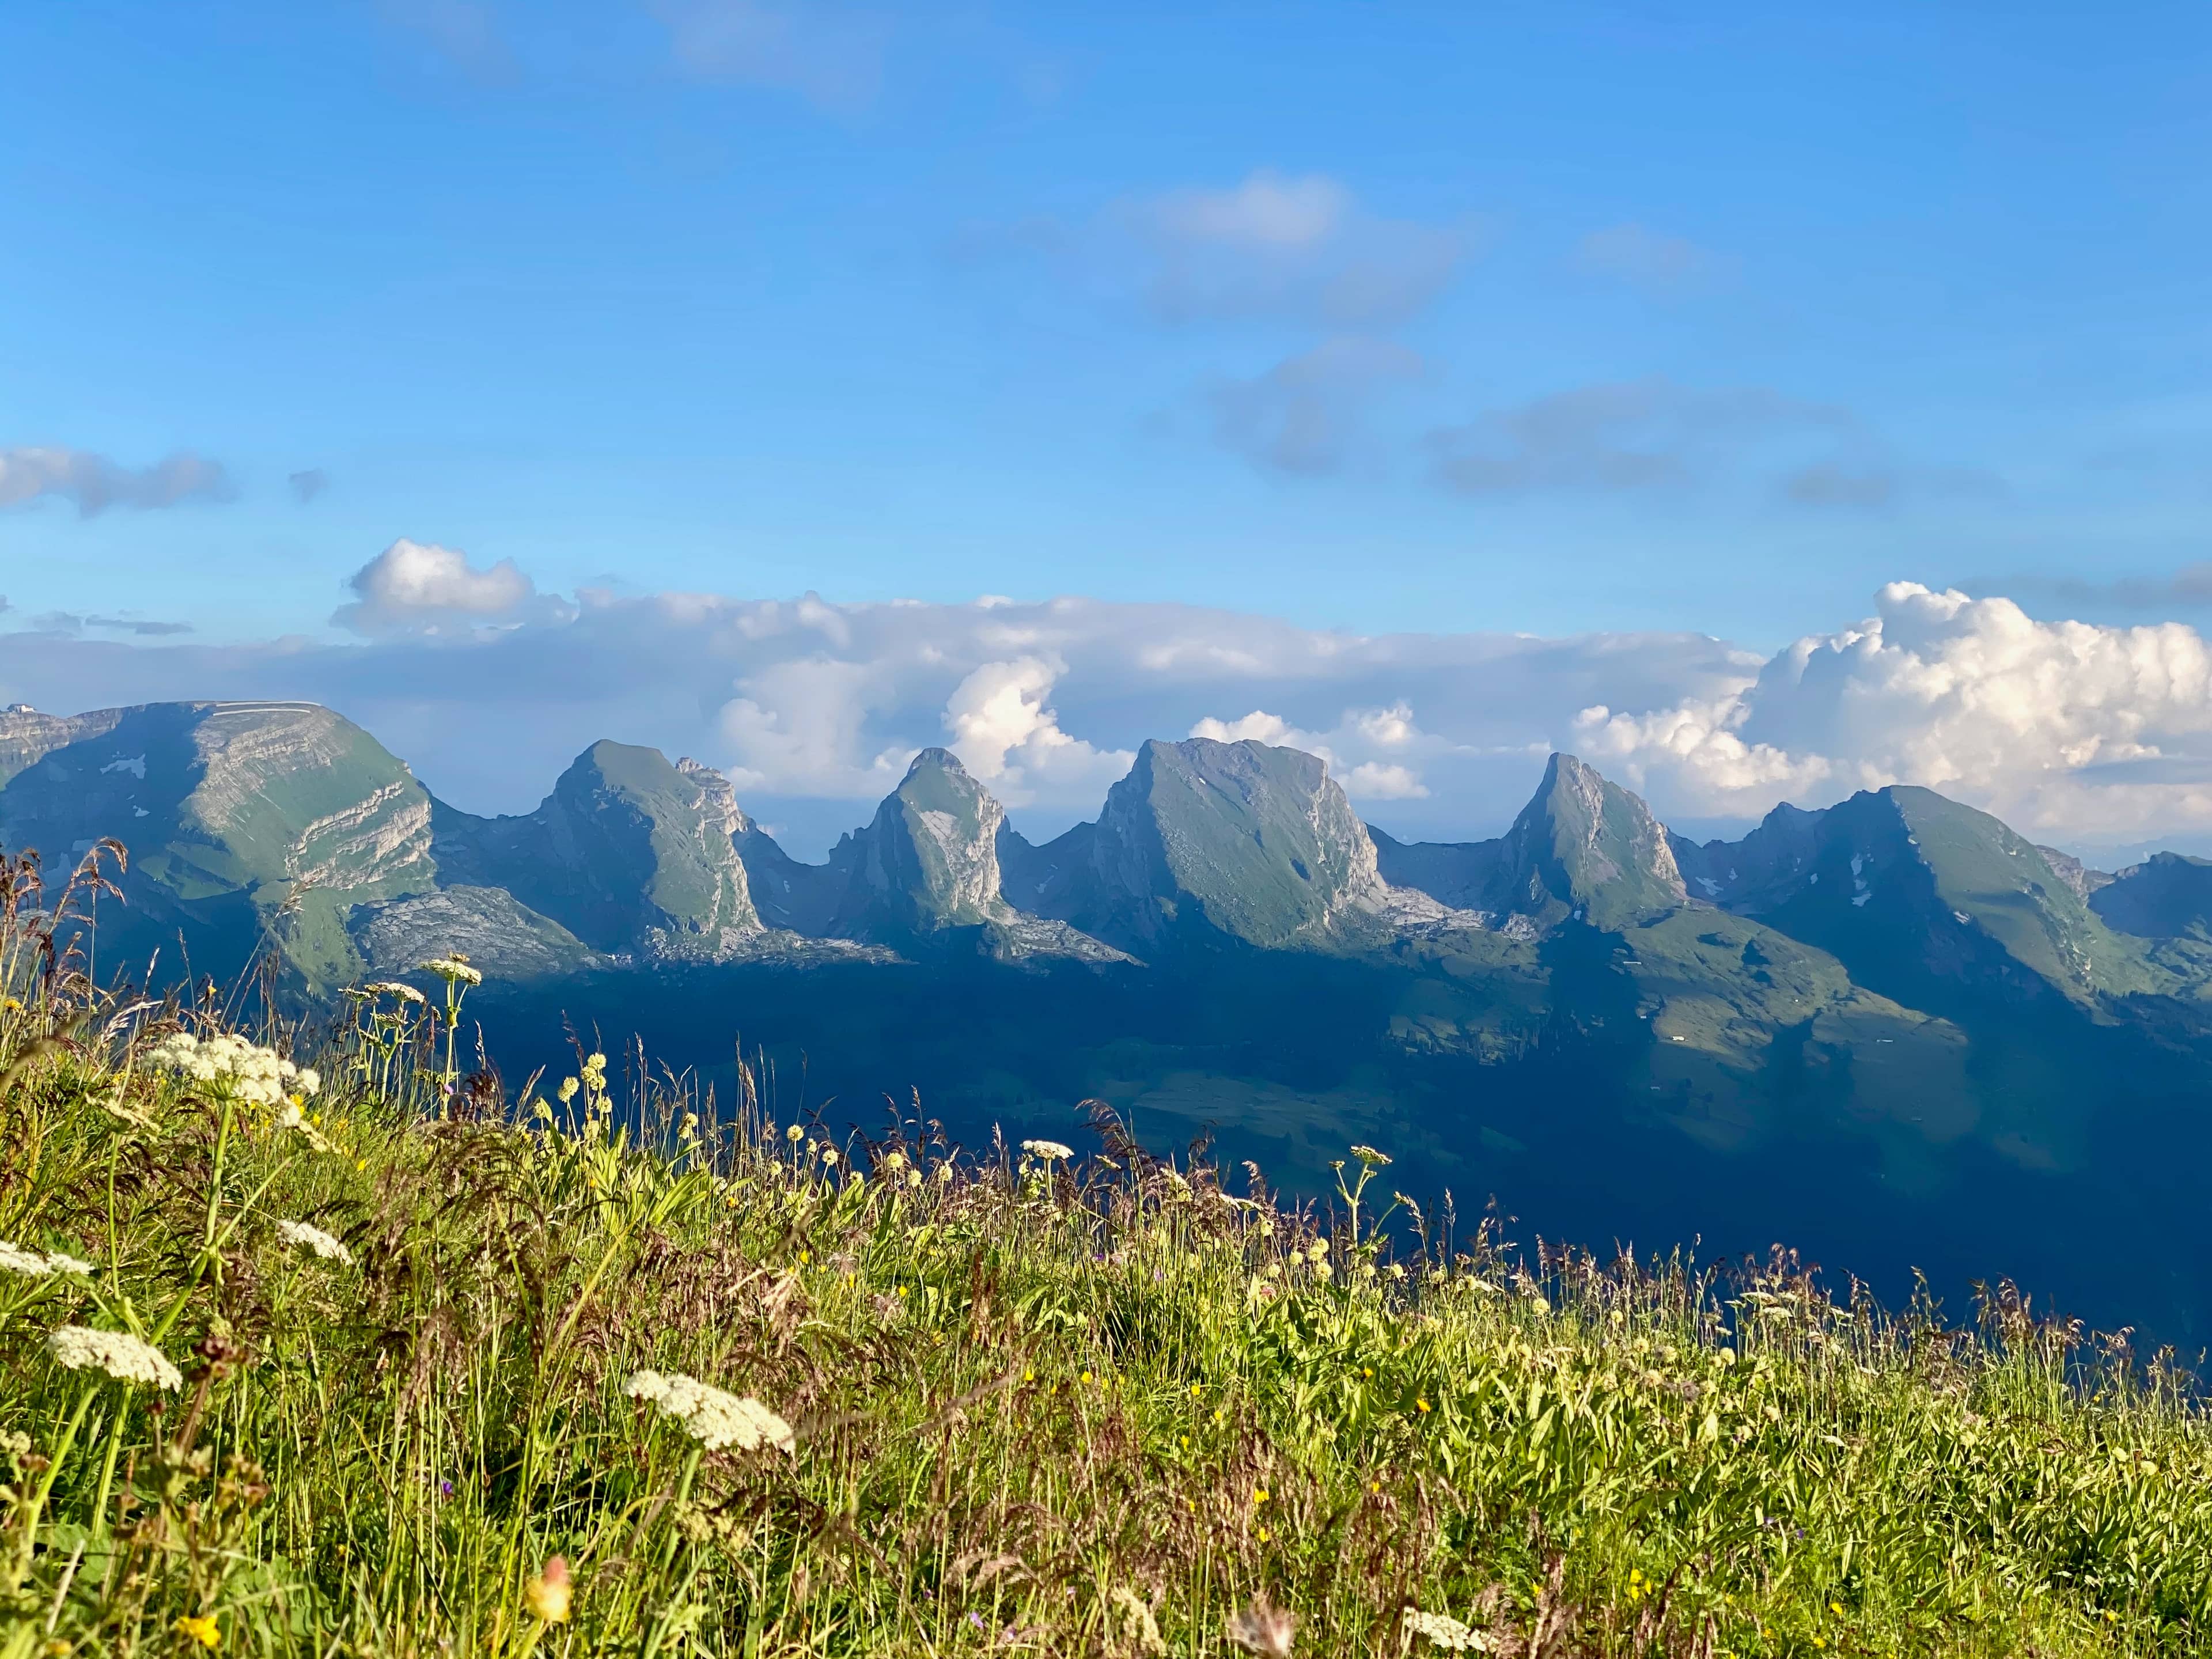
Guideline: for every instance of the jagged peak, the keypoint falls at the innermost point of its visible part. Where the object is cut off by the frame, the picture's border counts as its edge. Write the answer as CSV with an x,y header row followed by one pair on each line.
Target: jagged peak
x,y
1587,847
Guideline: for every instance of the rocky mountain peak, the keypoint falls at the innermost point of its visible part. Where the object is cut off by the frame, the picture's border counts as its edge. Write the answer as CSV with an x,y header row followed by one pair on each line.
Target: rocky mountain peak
x,y
931,854
1587,845
629,851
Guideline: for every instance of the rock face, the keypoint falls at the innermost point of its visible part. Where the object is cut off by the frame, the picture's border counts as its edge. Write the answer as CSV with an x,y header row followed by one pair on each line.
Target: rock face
x,y
1235,840
629,854
923,874
929,859
244,822
498,935
1582,850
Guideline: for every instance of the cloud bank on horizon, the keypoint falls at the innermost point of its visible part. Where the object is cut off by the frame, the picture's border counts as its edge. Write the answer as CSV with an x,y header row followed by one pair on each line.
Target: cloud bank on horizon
x,y
2081,734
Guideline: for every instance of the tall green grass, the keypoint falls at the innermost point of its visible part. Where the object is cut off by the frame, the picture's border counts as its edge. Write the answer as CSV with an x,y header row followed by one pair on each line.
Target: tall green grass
x,y
1103,1405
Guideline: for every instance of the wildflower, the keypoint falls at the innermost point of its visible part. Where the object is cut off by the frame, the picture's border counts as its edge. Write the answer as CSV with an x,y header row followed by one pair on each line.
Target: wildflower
x,y
709,1415
67,1264
314,1238
1370,1157
913,1177
891,1163
1047,1149
201,1628
1317,1252
393,988
258,1076
830,1157
1444,1631
547,1594
29,1263
290,1116
795,1133
567,1092
121,1355
1262,1630
453,968
1421,1405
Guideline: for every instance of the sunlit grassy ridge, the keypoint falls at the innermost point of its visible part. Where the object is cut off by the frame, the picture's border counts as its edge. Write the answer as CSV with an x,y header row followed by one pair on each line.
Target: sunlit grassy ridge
x,y
1036,1403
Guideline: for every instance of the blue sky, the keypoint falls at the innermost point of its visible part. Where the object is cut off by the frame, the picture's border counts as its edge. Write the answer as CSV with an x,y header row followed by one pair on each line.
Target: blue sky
x,y
1555,320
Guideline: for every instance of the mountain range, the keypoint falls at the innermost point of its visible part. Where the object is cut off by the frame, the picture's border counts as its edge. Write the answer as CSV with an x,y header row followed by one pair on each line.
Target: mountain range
x,y
1895,1013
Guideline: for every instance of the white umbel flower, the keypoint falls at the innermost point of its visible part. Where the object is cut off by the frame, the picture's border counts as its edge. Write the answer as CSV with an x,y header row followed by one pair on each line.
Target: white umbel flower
x,y
711,1416
15,1259
1047,1149
120,1354
1443,1631
28,1263
454,969
259,1076
302,1236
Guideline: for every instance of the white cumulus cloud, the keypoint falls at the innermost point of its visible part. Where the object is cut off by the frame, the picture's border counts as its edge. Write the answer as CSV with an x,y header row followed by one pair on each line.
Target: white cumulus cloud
x,y
419,587
1004,734
2083,736
1355,747
2068,730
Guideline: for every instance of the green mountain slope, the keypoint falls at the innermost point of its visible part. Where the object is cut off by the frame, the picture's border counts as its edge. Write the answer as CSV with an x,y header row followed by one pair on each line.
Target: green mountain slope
x,y
631,854
1927,900
2168,895
244,822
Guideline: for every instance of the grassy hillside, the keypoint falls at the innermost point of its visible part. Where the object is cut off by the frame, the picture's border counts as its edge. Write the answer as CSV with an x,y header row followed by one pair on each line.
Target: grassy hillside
x,y
415,1352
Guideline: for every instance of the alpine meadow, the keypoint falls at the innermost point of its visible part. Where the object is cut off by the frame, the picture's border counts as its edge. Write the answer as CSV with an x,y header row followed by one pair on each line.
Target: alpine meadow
x,y
944,829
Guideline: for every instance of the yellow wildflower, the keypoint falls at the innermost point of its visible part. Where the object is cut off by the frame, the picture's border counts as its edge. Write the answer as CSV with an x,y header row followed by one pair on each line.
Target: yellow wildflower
x,y
547,1594
201,1628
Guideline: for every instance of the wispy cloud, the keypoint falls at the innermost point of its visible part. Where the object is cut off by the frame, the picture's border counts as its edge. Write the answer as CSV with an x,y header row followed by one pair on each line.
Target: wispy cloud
x,y
1624,436
1649,259
1301,416
30,473
68,622
469,34
2188,587
1878,486
306,485
1301,248
830,55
